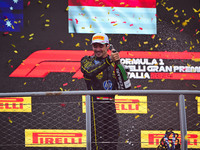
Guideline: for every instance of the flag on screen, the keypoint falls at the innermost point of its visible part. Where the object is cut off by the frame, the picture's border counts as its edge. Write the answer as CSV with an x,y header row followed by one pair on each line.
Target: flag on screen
x,y
112,16
11,15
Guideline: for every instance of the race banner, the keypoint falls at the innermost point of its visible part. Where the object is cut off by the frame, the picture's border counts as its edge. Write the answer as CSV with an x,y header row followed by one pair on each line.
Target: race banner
x,y
112,16
15,104
151,138
126,104
55,138
142,64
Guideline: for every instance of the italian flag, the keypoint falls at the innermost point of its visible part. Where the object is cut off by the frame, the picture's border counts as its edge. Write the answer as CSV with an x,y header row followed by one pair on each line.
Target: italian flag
x,y
112,16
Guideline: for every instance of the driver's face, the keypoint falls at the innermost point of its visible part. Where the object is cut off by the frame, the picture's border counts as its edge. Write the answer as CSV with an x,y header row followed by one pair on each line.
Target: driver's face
x,y
100,50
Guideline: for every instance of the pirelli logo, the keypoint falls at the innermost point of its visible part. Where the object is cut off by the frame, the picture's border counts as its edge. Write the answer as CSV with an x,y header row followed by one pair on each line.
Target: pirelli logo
x,y
198,104
15,104
98,38
151,138
126,104
55,138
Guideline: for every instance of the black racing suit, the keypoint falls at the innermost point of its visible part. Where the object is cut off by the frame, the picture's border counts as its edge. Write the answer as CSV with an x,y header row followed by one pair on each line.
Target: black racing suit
x,y
99,75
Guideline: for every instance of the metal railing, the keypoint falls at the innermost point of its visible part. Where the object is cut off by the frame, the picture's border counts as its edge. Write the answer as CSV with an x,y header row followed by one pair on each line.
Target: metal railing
x,y
181,93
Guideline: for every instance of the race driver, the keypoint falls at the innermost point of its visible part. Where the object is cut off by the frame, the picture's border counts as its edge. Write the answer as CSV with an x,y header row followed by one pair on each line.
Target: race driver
x,y
98,71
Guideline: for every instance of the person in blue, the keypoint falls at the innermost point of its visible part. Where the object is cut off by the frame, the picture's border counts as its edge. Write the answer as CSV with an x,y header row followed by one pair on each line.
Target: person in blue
x,y
98,72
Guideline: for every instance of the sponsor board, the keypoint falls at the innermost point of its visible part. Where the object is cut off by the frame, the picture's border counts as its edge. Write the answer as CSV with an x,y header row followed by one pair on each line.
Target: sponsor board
x,y
151,138
126,104
15,104
55,138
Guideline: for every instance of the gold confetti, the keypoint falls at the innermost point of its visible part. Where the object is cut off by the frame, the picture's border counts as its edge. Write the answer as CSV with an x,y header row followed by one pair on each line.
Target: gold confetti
x,y
115,24
61,89
61,42
139,44
24,83
13,45
151,116
83,8
163,80
176,104
67,8
146,42
73,80
121,42
156,45
122,3
150,81
47,20
137,116
196,11
9,61
186,137
40,2
144,87
15,51
78,119
77,45
32,34
72,35
194,85
43,113
30,38
47,25
10,120
197,124
48,5
87,39
22,36
169,9
42,15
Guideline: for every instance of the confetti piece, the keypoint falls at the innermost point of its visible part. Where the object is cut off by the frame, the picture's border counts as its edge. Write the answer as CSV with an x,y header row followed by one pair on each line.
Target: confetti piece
x,y
194,85
144,87
163,80
87,39
61,42
47,20
169,9
61,89
15,51
131,24
32,34
176,104
153,36
77,45
42,15
67,8
72,35
65,84
139,44
137,116
40,2
47,25
146,42
28,3
30,38
150,81
10,120
76,21
43,113
197,124
196,11
156,45
121,42
22,36
140,28
63,105
151,116
78,119
73,80
181,30
186,137
48,5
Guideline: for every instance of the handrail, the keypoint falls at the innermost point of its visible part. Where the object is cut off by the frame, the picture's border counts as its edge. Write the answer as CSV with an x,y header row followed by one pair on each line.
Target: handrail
x,y
100,92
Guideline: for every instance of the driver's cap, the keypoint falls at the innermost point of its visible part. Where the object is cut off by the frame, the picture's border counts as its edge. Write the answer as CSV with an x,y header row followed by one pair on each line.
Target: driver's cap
x,y
100,38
